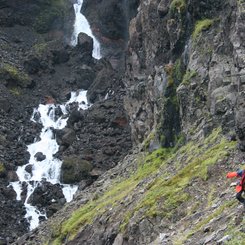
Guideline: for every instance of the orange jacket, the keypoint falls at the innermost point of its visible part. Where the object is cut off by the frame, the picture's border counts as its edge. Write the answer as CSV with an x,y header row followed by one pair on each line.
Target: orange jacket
x,y
239,174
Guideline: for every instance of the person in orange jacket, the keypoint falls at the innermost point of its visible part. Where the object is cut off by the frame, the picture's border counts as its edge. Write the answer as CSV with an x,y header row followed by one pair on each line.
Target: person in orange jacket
x,y
240,188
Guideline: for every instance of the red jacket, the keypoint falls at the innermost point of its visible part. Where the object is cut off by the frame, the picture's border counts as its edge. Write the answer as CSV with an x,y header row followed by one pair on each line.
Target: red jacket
x,y
238,174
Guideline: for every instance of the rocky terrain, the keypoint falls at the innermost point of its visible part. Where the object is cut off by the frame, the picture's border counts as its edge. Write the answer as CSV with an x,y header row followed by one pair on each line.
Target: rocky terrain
x,y
167,122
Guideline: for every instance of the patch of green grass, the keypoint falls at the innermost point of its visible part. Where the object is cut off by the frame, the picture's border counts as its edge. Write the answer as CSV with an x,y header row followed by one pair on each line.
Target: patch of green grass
x,y
188,76
163,197
13,74
202,25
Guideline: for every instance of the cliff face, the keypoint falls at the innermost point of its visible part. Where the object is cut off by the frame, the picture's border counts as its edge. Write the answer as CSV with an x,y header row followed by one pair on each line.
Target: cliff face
x,y
188,58
182,94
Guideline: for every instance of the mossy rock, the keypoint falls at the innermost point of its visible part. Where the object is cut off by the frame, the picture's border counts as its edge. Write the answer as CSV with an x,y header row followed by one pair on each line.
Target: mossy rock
x,y
14,77
75,169
177,6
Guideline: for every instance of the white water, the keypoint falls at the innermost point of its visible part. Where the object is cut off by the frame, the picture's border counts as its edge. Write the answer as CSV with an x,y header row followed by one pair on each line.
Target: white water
x,y
48,169
81,25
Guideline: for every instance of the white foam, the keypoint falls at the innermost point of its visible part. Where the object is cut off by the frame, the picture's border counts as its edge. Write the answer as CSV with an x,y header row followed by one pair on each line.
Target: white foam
x,y
81,25
49,168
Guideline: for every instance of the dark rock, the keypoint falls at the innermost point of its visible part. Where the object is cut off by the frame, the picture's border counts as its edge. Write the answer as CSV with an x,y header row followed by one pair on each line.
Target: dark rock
x,y
65,136
45,195
74,169
40,156
163,7
85,43
28,168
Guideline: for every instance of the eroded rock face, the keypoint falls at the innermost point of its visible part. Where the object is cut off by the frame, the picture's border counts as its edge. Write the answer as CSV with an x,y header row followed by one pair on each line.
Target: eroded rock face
x,y
48,196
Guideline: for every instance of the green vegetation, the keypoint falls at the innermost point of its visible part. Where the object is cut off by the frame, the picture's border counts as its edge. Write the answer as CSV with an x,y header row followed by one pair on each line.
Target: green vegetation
x,y
13,75
188,76
171,193
164,193
2,168
15,91
55,9
177,6
202,25
40,48
178,71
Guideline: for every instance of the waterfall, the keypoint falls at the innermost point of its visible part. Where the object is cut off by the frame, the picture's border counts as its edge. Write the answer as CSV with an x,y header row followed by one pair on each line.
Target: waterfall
x,y
49,168
81,25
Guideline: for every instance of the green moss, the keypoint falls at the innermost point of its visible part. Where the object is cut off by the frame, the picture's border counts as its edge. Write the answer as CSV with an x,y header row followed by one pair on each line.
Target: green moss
x,y
74,169
188,76
202,25
178,6
14,76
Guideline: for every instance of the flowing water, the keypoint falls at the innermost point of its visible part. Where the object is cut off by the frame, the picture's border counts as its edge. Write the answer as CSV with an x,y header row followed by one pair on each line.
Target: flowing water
x,y
81,25
49,168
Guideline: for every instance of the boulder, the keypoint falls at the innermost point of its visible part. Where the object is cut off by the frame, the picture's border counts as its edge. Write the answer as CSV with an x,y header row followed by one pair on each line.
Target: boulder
x,y
40,156
46,194
85,43
74,169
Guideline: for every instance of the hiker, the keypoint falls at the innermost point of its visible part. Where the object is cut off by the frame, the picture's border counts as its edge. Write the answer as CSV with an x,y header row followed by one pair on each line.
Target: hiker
x,y
240,188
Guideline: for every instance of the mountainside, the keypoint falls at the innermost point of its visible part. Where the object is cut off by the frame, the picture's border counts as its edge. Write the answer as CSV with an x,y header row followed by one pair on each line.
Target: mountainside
x,y
166,125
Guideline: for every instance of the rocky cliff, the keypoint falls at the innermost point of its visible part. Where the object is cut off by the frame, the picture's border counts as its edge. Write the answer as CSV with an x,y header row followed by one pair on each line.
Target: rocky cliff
x,y
159,145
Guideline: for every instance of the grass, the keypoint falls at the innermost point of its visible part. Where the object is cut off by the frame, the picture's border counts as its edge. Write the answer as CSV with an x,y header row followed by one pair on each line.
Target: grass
x,y
200,26
12,73
162,196
188,76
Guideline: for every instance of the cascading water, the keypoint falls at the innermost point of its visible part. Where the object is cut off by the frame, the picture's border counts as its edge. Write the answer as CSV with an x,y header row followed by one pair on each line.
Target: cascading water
x,y
49,168
81,25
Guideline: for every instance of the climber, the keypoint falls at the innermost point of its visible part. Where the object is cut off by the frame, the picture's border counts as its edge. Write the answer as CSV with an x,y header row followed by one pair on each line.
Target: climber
x,y
240,188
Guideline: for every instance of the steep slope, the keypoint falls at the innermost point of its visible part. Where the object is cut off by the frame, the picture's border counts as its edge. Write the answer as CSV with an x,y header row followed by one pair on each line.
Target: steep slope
x,y
184,84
